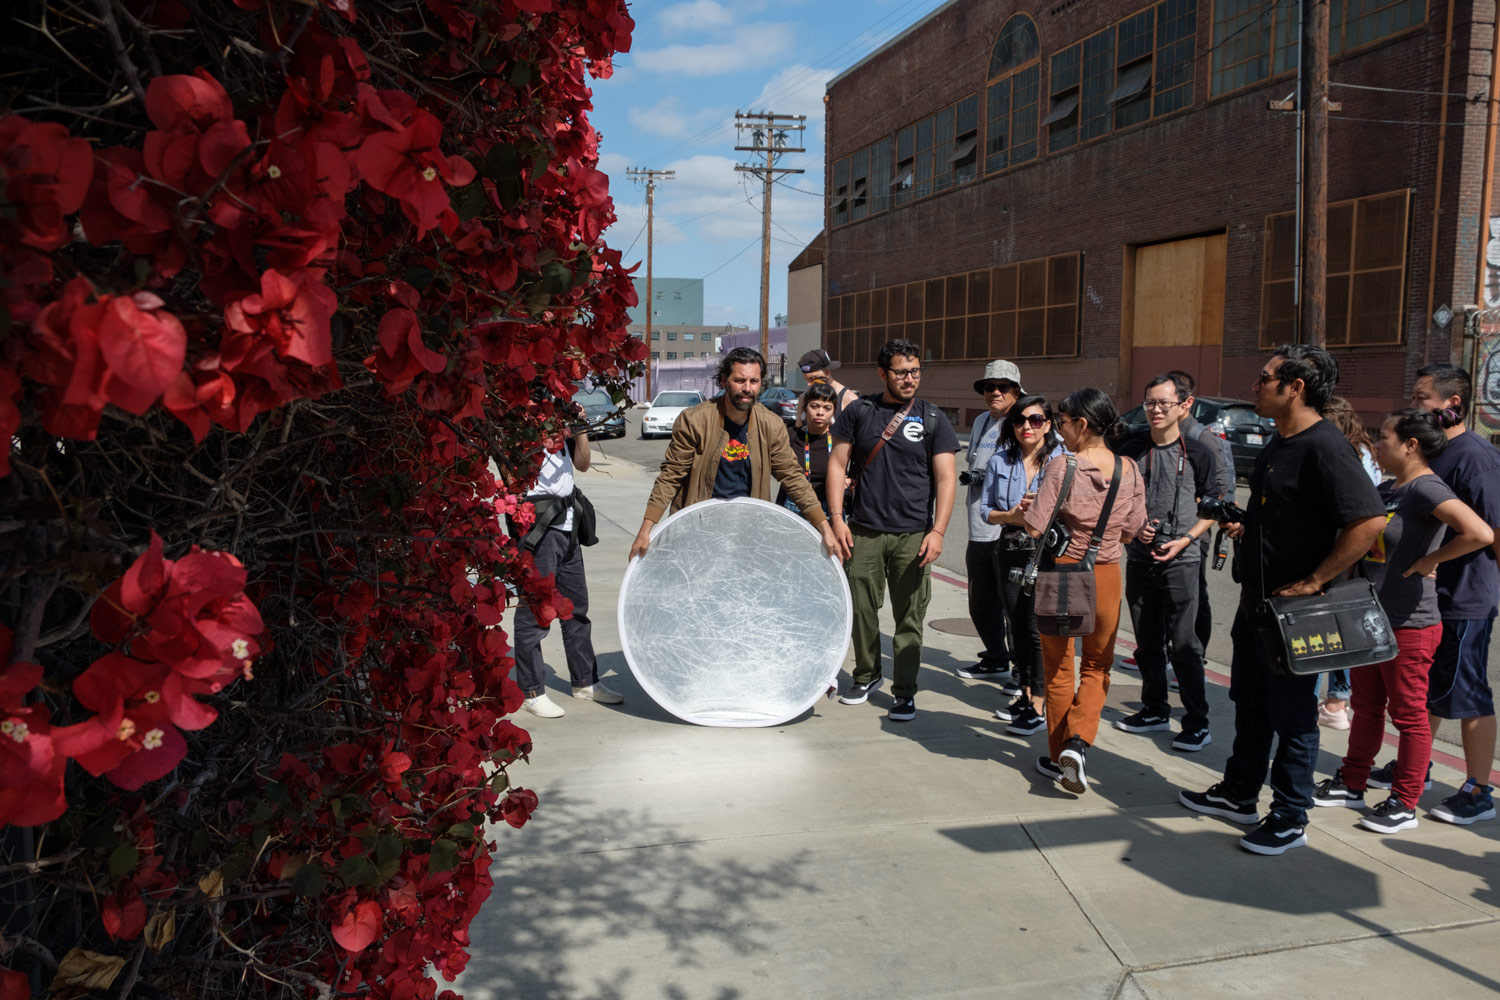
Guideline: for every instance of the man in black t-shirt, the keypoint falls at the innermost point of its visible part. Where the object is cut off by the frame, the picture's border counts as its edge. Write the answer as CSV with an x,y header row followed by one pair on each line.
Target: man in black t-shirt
x,y
1312,514
901,452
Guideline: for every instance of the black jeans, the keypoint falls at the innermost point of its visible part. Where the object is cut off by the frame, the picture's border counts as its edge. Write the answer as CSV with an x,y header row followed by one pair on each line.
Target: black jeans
x,y
1270,709
1163,602
1026,643
984,601
557,554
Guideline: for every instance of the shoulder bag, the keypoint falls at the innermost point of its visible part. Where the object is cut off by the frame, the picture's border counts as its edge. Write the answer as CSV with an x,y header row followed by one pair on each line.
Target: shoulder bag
x,y
1064,599
1343,627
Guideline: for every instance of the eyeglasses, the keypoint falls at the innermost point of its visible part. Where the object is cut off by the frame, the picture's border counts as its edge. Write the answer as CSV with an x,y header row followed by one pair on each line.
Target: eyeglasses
x,y
1160,404
1035,420
905,374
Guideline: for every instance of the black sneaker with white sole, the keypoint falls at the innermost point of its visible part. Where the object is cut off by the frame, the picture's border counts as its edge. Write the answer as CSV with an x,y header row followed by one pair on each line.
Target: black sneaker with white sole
x,y
1384,775
858,694
984,672
1010,689
1391,816
1044,765
1192,740
1143,722
1071,763
1333,792
902,710
1215,802
1026,722
1009,712
1274,836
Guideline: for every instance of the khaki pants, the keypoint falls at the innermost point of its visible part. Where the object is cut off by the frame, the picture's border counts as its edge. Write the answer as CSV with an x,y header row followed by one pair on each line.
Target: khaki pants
x,y
880,558
1074,704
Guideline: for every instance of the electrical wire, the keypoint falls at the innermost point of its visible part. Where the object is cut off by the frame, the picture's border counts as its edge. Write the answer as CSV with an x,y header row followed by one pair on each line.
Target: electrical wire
x,y
732,259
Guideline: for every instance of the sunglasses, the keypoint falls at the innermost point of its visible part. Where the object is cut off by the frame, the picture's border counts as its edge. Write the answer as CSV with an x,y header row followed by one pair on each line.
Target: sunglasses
x,y
1034,420
995,387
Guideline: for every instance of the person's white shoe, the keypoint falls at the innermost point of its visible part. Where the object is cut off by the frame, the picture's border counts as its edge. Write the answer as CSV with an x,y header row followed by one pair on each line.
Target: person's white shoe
x,y
599,693
543,707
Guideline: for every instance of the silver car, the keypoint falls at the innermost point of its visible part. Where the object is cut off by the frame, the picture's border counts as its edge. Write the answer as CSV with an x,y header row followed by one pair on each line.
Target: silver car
x,y
664,410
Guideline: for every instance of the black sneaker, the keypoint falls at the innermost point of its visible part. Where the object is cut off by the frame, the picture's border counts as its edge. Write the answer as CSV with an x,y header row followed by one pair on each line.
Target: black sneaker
x,y
858,694
1045,766
1192,740
1011,711
1333,792
1071,762
1026,722
1470,804
1274,836
902,710
1215,803
984,672
1010,688
1391,816
1385,774
1143,722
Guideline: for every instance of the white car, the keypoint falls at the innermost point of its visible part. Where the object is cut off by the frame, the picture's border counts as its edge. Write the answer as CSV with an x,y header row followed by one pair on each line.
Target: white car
x,y
663,412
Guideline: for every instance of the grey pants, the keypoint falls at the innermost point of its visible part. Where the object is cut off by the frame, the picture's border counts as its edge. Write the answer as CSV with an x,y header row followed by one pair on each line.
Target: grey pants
x,y
557,554
1163,601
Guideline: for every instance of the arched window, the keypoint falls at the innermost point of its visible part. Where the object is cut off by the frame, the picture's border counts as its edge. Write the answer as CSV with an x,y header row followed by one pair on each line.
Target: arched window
x,y
1014,89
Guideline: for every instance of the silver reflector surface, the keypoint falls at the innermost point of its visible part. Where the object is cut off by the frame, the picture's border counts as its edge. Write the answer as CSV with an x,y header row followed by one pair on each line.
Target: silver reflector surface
x,y
735,616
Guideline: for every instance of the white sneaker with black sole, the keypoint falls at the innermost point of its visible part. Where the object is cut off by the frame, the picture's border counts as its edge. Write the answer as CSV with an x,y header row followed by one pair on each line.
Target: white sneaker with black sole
x,y
1391,816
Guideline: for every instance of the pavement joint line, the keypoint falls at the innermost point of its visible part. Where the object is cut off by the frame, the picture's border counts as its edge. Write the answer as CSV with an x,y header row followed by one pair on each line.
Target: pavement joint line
x,y
1083,902
1360,844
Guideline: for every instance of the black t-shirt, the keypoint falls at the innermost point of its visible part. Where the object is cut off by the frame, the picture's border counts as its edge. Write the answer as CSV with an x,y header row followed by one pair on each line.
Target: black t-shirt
x,y
812,452
1176,475
1303,490
895,492
1469,586
733,478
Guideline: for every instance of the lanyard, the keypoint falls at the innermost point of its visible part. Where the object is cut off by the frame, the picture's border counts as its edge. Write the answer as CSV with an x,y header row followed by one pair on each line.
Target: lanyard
x,y
807,452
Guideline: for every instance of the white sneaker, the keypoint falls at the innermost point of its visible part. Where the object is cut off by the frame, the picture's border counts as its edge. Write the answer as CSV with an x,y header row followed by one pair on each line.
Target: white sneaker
x,y
599,693
543,707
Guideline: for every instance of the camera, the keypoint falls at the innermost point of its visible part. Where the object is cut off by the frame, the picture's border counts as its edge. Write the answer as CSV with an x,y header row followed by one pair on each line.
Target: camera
x,y
967,478
1226,511
1025,576
1055,542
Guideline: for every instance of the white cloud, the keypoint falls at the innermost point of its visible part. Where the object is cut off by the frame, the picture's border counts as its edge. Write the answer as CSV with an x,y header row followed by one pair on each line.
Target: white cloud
x,y
699,15
668,118
613,164
797,90
753,45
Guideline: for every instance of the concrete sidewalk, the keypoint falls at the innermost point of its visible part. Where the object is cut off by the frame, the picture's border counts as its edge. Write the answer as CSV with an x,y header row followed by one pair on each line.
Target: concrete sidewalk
x,y
842,855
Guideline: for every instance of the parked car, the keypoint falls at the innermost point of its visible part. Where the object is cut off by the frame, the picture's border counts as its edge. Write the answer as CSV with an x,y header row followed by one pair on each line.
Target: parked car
x,y
1205,411
664,409
1233,419
782,401
605,417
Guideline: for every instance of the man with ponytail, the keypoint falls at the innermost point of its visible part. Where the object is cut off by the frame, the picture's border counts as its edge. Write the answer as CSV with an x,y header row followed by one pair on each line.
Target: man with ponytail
x,y
1468,590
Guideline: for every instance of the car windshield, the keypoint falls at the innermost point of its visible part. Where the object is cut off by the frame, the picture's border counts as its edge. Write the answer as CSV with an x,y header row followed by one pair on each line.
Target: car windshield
x,y
678,399
595,397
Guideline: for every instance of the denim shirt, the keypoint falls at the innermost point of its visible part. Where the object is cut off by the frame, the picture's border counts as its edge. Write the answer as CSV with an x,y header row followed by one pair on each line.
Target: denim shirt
x,y
1005,482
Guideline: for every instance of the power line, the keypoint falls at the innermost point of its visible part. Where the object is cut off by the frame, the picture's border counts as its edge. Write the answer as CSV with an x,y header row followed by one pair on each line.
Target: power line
x,y
731,260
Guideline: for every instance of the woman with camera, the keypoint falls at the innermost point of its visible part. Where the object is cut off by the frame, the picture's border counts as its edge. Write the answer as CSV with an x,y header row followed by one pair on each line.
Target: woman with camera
x,y
1103,504
1028,441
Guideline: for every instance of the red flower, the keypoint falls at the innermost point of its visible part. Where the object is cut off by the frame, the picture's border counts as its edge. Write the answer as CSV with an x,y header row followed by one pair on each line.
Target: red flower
x,y
123,914
289,317
359,927
44,176
518,806
401,355
406,164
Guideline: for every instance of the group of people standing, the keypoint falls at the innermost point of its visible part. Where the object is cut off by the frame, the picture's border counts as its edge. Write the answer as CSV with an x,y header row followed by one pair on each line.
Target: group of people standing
x,y
877,475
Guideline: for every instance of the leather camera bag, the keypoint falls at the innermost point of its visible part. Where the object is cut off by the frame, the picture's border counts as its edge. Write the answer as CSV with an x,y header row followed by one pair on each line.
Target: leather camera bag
x,y
1341,628
1064,599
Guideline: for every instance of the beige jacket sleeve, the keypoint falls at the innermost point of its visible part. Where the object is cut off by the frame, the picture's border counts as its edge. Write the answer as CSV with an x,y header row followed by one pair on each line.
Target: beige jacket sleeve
x,y
676,466
788,471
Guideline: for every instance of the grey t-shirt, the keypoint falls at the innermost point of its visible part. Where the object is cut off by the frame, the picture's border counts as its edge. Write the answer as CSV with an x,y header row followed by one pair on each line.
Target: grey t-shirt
x,y
1411,532
1176,475
982,443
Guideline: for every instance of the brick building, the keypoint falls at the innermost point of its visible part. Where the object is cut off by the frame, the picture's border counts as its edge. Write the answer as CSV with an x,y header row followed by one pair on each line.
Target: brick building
x,y
1100,191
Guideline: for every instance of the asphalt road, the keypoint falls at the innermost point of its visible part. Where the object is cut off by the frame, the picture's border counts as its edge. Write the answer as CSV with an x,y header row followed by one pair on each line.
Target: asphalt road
x,y
1223,592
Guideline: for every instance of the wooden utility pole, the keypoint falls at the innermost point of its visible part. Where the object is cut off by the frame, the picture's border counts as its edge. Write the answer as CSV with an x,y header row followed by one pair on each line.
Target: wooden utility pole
x,y
1313,106
771,135
651,177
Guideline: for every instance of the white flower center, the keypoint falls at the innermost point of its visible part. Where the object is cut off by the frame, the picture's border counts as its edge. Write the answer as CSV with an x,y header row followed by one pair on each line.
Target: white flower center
x,y
240,649
273,171
153,739
429,174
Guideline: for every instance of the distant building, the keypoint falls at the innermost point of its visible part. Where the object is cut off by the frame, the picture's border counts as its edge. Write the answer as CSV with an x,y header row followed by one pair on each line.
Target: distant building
x,y
676,302
804,307
777,365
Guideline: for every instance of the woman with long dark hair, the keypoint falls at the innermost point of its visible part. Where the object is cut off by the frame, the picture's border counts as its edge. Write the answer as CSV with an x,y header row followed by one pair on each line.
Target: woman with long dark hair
x,y
1028,441
1403,565
1086,417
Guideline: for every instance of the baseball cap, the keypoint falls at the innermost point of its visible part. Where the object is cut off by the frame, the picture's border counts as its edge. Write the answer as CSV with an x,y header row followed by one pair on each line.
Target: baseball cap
x,y
816,360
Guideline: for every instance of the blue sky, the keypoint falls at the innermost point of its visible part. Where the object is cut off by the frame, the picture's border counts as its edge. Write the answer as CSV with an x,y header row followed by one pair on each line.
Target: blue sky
x,y
670,106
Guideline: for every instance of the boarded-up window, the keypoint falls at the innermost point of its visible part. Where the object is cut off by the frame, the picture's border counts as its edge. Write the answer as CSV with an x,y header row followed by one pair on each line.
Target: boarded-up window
x,y
1367,249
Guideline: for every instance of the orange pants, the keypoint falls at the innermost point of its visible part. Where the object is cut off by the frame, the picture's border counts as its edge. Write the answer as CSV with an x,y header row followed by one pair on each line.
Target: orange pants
x,y
1074,704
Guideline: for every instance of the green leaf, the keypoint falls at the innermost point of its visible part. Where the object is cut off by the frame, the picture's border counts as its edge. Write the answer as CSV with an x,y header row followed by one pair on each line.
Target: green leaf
x,y
198,842
469,201
520,74
309,880
462,831
388,851
557,278
358,871
418,277
123,859
444,857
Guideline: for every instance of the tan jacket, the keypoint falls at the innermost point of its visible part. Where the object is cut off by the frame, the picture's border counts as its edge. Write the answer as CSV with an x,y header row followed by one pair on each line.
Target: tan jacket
x,y
692,461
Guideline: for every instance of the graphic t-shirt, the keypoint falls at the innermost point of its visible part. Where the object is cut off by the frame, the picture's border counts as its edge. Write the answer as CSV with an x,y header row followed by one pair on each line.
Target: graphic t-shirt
x,y
895,491
1303,490
1411,532
733,478
1176,475
1469,587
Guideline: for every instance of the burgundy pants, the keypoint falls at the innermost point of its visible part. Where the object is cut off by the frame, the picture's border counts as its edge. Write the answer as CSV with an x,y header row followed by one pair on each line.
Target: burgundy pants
x,y
1399,687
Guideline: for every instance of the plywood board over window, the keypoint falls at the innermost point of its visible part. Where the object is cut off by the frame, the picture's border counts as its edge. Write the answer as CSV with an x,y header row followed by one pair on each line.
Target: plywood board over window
x,y
1367,267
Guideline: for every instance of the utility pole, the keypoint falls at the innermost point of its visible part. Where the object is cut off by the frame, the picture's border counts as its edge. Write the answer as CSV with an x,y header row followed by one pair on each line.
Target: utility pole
x,y
651,177
1313,107
771,135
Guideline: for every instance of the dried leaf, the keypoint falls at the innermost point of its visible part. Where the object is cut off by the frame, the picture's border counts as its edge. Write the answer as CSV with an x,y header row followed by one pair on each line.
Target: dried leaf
x,y
87,969
212,884
161,929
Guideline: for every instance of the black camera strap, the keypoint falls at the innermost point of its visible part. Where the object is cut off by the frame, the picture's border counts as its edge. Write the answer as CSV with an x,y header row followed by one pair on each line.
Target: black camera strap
x,y
1104,512
1062,498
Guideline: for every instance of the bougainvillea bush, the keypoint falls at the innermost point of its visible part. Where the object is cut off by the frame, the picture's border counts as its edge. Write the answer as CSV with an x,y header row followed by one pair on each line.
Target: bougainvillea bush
x,y
292,296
